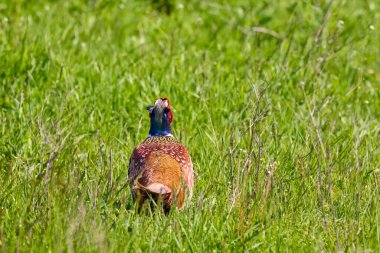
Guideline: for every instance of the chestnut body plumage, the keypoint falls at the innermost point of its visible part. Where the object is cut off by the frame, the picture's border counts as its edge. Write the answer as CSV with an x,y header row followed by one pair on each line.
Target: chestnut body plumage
x,y
161,168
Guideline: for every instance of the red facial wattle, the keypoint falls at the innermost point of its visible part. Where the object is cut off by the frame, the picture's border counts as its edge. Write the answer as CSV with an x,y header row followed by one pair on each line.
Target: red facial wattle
x,y
170,115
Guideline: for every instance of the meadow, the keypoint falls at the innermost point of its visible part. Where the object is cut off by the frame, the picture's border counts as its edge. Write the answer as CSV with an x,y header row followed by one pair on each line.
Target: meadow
x,y
278,103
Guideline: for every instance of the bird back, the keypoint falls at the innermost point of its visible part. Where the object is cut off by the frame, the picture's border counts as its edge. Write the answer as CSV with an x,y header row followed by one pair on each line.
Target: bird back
x,y
161,168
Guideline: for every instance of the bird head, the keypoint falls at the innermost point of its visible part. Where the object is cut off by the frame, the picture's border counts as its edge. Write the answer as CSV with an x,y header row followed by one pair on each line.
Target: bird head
x,y
161,116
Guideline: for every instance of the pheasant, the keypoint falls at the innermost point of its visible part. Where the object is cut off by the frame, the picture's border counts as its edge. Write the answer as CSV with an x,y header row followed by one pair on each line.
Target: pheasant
x,y
160,167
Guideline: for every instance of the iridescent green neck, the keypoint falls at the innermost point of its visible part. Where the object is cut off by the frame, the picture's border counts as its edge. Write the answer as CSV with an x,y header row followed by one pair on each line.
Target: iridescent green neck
x,y
159,127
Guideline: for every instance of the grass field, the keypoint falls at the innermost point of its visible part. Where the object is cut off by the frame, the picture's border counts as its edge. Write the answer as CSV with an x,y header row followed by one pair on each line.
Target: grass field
x,y
278,103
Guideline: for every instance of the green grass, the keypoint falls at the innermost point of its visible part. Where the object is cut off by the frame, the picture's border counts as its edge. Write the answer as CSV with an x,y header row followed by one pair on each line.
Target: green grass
x,y
291,87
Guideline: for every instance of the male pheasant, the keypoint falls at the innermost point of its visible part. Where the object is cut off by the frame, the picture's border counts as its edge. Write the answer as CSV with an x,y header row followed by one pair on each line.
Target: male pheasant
x,y
160,167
